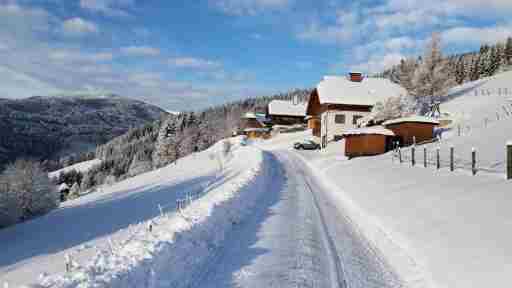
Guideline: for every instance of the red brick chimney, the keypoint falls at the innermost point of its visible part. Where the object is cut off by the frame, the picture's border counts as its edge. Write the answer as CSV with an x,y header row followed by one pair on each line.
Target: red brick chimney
x,y
355,76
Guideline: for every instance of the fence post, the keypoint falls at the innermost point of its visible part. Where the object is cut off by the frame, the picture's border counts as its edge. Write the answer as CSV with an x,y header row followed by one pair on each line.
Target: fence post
x,y
458,130
438,158
425,157
400,154
452,165
413,152
473,160
509,160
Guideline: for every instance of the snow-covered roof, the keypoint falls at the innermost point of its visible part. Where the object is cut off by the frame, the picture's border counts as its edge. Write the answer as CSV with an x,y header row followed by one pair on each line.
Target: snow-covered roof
x,y
287,108
373,130
256,129
250,115
340,90
416,119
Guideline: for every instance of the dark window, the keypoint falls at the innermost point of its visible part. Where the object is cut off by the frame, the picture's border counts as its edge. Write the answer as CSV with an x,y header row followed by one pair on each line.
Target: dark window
x,y
356,117
339,119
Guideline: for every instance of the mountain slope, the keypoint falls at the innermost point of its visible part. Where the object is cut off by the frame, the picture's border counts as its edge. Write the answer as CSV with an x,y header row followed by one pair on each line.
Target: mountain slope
x,y
46,127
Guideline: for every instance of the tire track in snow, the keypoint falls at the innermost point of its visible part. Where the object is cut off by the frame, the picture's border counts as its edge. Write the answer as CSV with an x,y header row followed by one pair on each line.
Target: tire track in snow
x,y
337,271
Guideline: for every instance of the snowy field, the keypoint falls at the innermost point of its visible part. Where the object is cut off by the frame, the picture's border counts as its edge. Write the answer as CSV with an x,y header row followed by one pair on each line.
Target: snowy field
x,y
101,229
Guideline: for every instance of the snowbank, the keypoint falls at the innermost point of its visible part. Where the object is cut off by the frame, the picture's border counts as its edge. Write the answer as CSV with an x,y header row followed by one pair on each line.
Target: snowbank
x,y
80,167
180,242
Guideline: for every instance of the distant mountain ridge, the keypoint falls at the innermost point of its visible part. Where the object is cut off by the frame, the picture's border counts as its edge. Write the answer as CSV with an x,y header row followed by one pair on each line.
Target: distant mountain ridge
x,y
48,127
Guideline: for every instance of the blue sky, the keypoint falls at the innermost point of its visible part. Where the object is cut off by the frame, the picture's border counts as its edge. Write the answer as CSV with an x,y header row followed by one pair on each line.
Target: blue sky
x,y
184,55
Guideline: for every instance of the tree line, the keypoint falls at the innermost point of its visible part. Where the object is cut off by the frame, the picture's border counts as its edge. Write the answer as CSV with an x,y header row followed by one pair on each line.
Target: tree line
x,y
167,140
428,78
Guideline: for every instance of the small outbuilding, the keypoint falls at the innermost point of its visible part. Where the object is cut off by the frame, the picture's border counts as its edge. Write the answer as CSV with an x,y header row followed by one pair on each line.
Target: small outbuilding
x,y
254,133
253,126
413,128
283,112
368,141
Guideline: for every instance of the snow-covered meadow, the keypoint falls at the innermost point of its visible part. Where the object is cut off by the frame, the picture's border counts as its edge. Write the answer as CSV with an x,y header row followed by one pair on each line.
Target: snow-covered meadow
x,y
105,235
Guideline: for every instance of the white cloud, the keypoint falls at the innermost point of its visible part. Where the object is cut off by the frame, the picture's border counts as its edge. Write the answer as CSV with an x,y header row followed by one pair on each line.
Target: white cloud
x,y
77,56
400,43
78,26
377,63
194,63
108,7
348,27
140,51
250,7
476,35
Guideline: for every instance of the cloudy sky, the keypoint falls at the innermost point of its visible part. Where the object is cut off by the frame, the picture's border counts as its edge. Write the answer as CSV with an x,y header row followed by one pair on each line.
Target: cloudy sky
x,y
189,54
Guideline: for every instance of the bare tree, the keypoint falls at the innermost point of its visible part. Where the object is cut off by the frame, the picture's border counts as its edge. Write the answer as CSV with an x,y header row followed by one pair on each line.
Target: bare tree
x,y
432,78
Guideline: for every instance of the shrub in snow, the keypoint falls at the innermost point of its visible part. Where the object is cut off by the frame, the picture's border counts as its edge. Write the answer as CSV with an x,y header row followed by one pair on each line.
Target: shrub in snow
x,y
74,192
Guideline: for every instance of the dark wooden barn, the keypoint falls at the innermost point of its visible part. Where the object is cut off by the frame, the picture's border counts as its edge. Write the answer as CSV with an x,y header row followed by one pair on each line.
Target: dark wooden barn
x,y
414,128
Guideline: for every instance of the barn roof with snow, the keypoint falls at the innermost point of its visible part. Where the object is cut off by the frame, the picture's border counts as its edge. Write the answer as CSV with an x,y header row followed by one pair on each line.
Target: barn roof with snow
x,y
367,92
286,108
412,119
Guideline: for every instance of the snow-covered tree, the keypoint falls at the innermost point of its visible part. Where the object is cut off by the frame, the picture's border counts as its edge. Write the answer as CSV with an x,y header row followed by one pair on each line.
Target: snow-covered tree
x,y
460,72
29,184
432,80
508,51
406,74
166,142
10,211
393,107
74,191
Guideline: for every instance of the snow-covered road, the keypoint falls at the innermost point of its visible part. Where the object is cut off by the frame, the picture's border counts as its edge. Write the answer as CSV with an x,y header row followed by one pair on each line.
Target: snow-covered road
x,y
296,237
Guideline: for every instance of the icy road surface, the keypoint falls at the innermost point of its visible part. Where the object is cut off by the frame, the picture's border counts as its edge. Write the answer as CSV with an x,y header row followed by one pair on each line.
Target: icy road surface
x,y
294,238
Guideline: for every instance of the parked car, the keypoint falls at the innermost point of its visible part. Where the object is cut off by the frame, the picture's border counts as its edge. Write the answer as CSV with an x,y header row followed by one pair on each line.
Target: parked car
x,y
306,145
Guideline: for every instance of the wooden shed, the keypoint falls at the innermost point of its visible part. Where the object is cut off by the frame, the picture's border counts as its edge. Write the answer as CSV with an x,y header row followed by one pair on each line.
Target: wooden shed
x,y
254,133
367,141
409,128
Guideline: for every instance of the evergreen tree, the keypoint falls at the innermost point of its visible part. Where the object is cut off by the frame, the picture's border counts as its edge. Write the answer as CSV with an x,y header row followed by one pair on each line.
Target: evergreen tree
x,y
485,61
508,51
494,61
475,68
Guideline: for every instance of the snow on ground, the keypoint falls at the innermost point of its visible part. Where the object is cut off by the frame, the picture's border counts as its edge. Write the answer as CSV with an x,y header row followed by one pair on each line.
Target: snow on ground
x,y
472,102
474,106
435,228
438,229
80,167
105,232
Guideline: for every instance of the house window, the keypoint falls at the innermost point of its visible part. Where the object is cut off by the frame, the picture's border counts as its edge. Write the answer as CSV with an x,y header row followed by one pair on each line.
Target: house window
x,y
339,119
356,117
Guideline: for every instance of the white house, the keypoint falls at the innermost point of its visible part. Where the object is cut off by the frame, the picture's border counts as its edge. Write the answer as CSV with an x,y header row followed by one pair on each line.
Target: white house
x,y
339,102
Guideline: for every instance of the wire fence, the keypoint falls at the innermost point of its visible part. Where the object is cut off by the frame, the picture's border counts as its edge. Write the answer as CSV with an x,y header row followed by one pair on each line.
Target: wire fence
x,y
441,157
